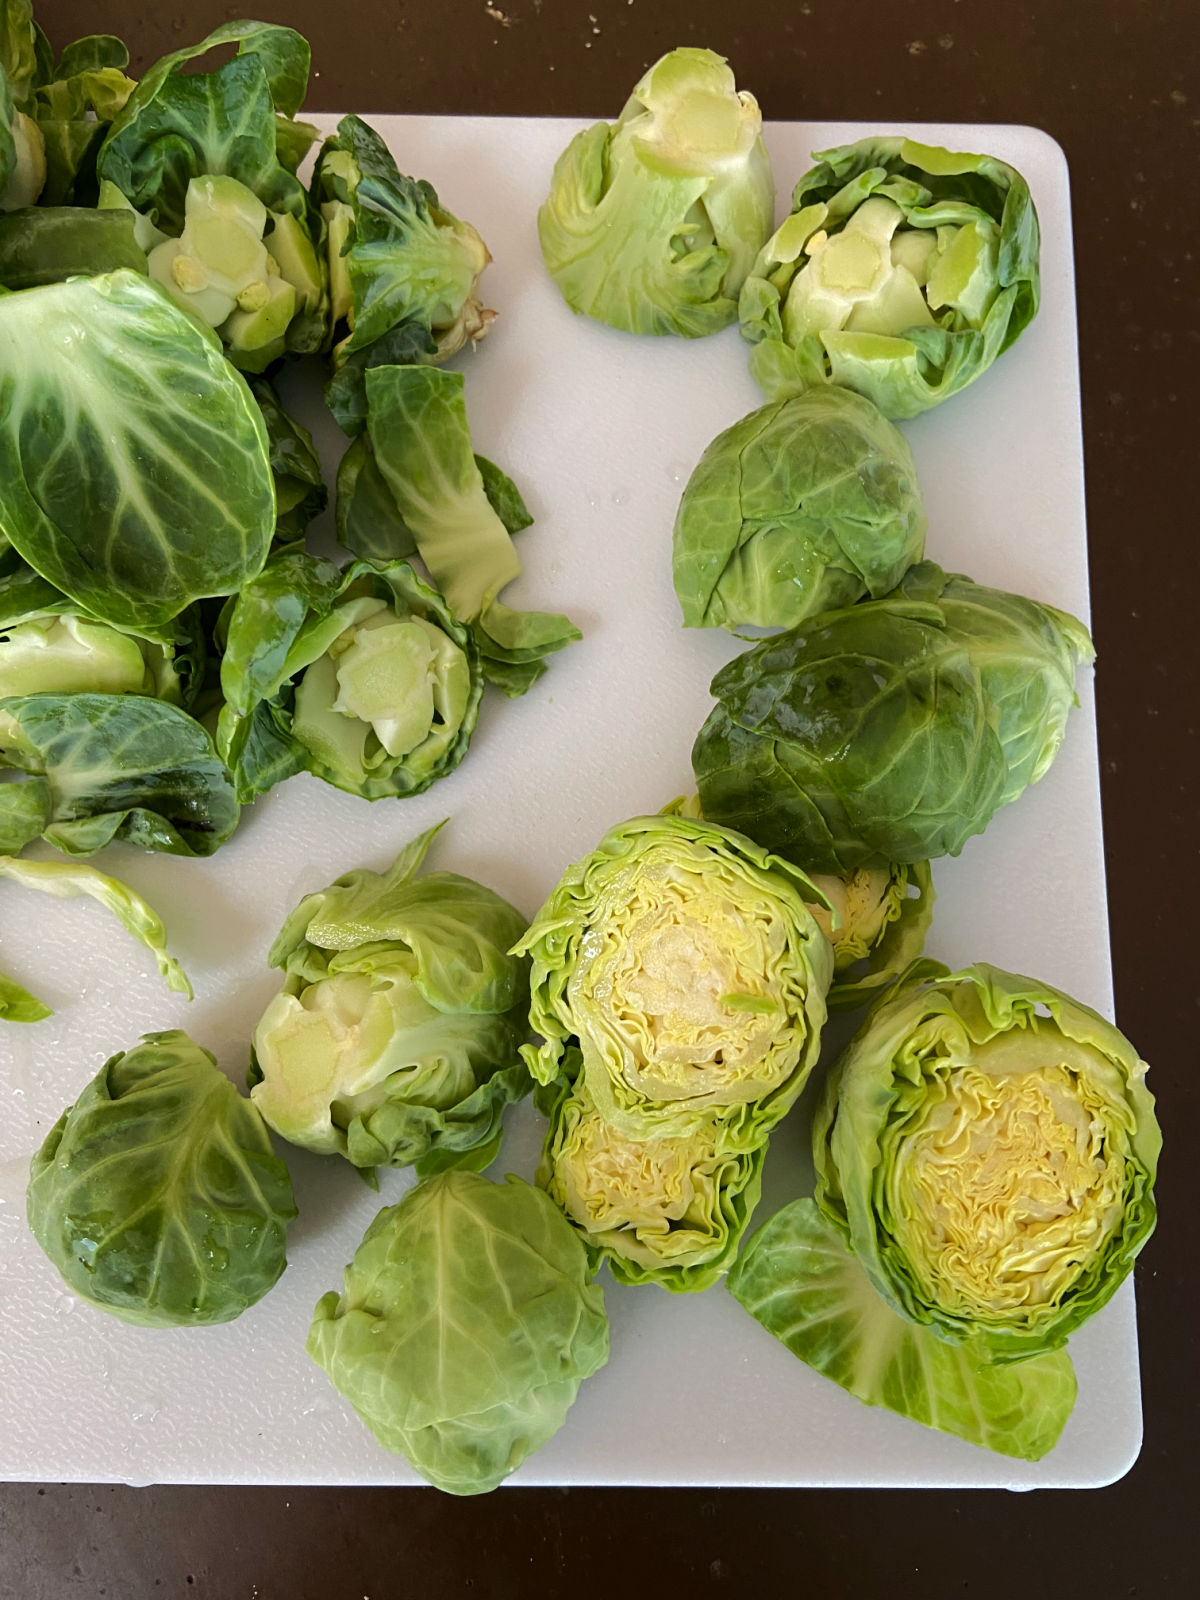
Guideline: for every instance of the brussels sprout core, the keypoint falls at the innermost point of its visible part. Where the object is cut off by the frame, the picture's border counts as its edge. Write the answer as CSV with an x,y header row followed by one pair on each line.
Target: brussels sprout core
x,y
698,122
382,682
866,278
1008,1184
220,272
338,1049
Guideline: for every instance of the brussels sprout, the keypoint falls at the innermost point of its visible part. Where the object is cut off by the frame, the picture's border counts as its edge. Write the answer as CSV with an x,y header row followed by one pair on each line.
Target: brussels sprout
x,y
403,271
66,880
797,1278
49,646
395,1035
358,675
157,1194
686,962
879,920
889,731
465,1327
987,1148
807,504
667,1208
903,271
111,766
653,222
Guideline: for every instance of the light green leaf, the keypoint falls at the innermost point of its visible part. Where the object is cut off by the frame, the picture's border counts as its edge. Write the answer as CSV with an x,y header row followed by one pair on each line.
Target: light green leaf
x,y
118,412
18,1005
801,1283
67,880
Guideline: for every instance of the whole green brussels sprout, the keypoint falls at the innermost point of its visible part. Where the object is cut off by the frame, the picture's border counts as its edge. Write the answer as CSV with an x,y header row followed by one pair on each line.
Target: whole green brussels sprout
x,y
808,503
157,1195
890,731
465,1326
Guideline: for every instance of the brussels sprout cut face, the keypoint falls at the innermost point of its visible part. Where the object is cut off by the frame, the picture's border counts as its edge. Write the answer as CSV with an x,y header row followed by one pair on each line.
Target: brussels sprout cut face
x,y
686,983
606,1181
686,962
987,1148
669,1208
1010,1180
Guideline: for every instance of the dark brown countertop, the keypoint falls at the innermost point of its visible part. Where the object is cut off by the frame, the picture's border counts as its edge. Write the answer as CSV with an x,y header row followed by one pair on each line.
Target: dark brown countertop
x,y
1117,82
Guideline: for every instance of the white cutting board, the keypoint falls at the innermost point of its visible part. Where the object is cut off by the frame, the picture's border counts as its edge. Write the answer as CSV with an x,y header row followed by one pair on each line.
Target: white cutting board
x,y
601,431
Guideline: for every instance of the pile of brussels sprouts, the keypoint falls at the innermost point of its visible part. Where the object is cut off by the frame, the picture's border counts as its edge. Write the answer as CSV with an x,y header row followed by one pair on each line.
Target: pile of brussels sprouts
x,y
170,649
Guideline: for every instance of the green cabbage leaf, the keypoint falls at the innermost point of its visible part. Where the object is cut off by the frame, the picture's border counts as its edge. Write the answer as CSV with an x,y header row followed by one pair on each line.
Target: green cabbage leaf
x,y
102,767
67,880
134,472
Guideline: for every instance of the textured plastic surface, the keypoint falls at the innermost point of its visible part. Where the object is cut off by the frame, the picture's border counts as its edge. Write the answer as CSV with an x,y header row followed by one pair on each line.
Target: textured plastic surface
x,y
601,431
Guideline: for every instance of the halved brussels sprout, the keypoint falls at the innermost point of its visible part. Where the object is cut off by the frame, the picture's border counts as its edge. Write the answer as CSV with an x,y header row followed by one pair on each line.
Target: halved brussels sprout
x,y
686,962
987,1148
668,1208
